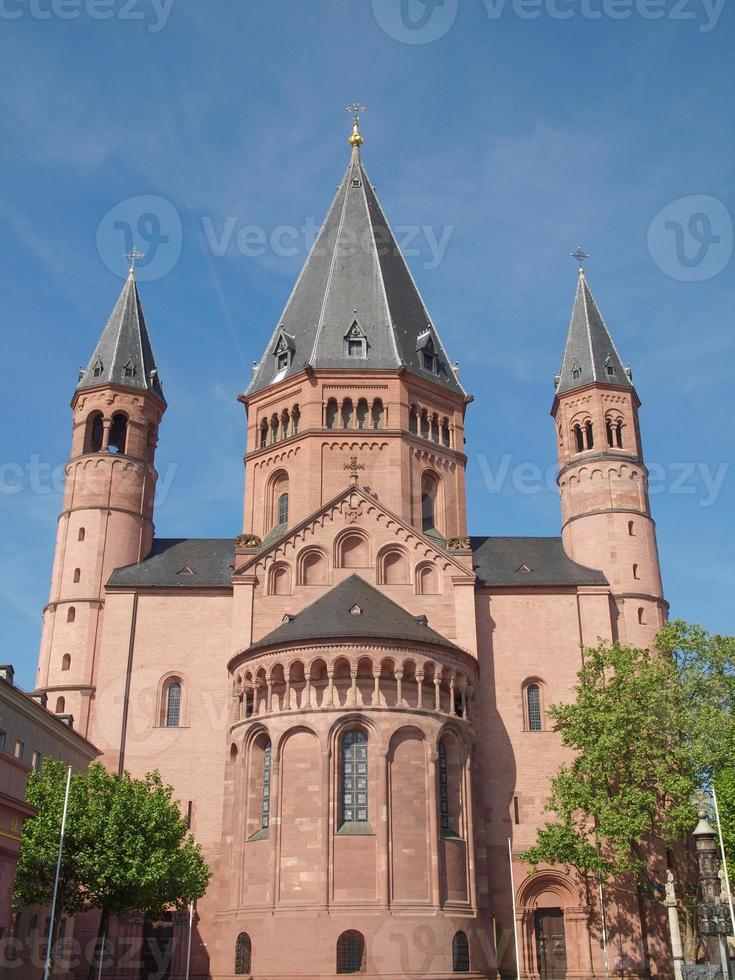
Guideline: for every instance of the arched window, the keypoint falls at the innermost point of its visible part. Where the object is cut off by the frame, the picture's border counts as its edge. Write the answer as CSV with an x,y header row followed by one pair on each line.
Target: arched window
x,y
279,579
533,707
445,433
362,413
77,574
81,535
265,808
641,616
443,790
377,414
434,428
312,568
429,500
578,439
283,509
426,580
173,704
93,433
347,413
118,433
295,419
264,433
243,954
610,433
60,706
285,422
71,614
393,568
355,777
413,421
274,428
590,441
631,528
424,424
460,953
331,414
66,662
351,952
353,551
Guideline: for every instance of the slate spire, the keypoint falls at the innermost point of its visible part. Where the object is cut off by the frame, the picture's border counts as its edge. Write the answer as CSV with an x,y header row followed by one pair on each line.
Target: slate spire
x,y
590,354
355,305
124,355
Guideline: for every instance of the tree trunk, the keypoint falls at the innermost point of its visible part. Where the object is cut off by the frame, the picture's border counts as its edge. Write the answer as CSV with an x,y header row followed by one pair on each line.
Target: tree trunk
x,y
94,966
53,932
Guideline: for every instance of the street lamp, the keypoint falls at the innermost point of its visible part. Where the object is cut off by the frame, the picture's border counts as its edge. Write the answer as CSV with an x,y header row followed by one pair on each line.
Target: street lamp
x,y
713,917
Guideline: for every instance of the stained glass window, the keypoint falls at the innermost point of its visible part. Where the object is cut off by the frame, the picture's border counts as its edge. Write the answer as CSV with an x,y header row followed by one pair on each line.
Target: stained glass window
x,y
351,952
354,777
533,697
243,954
443,789
173,704
460,953
266,807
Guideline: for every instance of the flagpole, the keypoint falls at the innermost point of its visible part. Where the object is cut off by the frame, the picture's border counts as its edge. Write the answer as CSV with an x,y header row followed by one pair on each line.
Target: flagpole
x,y
724,859
50,944
188,948
603,921
515,921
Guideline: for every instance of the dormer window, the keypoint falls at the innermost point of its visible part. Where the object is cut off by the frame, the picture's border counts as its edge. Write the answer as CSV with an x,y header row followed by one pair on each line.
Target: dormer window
x,y
129,370
609,367
576,371
283,352
97,369
427,351
356,341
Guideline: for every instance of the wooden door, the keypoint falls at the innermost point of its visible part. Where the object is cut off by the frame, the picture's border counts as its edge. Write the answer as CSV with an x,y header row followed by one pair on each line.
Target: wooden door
x,y
551,949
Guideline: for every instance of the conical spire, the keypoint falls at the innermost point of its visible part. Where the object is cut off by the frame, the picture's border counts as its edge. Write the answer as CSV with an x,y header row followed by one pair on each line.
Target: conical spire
x,y
355,304
123,355
590,354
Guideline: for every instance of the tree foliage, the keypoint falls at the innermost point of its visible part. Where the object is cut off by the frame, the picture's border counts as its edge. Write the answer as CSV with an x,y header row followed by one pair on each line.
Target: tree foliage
x,y
647,729
126,845
632,774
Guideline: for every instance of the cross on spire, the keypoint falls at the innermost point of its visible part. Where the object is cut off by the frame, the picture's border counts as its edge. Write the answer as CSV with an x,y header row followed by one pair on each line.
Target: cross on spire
x,y
353,466
134,255
355,138
580,255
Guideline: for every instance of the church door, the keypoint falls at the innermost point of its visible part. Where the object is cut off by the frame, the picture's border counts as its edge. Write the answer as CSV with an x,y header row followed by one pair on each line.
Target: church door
x,y
158,941
550,944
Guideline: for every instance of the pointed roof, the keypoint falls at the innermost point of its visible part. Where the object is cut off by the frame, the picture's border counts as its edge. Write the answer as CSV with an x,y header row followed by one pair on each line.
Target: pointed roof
x,y
353,609
355,274
590,354
124,355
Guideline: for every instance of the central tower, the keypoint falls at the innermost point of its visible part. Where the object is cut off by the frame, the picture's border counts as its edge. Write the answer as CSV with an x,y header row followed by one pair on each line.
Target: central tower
x,y
349,815
355,367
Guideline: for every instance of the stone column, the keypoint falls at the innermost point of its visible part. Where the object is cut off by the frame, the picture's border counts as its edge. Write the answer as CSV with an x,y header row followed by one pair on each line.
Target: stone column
x,y
434,829
382,829
106,426
330,687
420,687
437,694
677,950
376,680
307,692
269,702
399,687
353,679
452,710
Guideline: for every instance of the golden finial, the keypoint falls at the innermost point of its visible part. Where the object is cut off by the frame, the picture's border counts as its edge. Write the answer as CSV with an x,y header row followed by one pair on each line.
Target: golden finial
x,y
355,138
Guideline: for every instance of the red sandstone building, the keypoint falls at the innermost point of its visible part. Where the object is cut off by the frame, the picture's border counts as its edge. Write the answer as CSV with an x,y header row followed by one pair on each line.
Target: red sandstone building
x,y
350,695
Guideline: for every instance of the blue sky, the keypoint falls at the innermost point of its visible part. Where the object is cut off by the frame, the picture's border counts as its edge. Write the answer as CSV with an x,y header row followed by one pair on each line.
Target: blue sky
x,y
507,132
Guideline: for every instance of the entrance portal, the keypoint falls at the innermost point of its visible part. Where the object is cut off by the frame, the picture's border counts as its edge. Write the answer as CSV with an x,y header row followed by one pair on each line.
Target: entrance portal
x,y
551,950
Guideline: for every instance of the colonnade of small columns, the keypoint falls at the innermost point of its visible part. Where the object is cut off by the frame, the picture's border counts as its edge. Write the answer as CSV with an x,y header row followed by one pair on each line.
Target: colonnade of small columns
x,y
280,426
294,687
346,413
428,424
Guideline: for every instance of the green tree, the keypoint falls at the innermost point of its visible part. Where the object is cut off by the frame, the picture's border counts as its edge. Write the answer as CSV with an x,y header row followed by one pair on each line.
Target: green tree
x,y
631,776
126,846
725,787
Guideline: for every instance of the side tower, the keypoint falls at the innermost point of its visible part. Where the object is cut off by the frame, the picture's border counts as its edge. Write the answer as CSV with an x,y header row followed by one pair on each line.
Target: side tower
x,y
603,480
107,515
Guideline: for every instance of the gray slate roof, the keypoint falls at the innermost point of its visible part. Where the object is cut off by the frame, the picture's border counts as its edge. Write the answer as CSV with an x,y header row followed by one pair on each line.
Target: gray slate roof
x,y
497,560
208,560
330,617
124,355
501,561
355,272
590,348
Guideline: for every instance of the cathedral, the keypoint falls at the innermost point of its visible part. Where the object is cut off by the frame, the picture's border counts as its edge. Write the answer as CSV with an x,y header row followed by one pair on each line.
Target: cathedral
x,y
349,694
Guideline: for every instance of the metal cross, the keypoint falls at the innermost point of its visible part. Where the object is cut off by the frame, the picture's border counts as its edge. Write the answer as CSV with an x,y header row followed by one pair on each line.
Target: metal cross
x,y
579,254
353,466
134,255
356,109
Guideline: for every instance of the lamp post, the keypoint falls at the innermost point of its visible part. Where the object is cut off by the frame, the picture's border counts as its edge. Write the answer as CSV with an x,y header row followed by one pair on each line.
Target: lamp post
x,y
713,916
